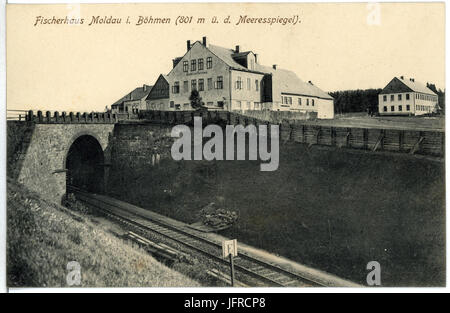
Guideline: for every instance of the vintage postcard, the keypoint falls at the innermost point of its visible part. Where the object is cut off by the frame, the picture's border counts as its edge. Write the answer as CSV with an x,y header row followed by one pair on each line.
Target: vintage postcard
x,y
248,145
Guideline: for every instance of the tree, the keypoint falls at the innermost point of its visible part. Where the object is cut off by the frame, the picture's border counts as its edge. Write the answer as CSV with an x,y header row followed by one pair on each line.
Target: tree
x,y
441,97
196,100
356,100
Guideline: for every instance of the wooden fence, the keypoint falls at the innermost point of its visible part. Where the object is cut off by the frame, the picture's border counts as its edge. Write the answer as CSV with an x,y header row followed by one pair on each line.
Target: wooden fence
x,y
371,139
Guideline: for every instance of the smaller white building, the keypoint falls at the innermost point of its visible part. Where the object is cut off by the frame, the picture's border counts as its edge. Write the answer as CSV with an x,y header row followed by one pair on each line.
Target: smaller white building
x,y
406,97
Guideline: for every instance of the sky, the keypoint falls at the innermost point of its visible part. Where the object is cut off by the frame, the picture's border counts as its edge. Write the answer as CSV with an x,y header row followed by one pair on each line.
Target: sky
x,y
338,46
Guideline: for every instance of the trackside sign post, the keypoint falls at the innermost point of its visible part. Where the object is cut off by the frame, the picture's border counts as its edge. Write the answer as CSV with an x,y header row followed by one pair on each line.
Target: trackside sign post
x,y
229,249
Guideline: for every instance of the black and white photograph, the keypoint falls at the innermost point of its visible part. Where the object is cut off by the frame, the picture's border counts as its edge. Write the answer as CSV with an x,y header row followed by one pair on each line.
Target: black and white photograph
x,y
225,145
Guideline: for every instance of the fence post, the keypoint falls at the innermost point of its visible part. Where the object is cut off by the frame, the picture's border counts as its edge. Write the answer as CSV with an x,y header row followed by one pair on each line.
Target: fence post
x,y
333,136
39,116
365,138
30,115
401,139
349,134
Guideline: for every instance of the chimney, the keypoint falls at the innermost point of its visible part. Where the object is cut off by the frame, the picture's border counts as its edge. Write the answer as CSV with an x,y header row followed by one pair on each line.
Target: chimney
x,y
401,77
205,41
274,66
145,87
188,44
237,49
412,79
256,58
310,82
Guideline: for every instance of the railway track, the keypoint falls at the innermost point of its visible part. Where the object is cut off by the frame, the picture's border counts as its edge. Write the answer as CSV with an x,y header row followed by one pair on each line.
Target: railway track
x,y
268,274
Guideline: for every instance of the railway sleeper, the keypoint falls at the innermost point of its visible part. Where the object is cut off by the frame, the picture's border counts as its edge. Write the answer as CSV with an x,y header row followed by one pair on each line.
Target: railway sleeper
x,y
282,279
161,252
224,278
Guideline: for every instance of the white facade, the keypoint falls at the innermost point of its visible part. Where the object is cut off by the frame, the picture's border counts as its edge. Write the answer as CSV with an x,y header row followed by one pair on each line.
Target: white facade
x,y
407,103
211,79
406,97
228,79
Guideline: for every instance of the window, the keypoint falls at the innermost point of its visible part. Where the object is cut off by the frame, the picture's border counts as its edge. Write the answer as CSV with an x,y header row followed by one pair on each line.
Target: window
x,y
239,83
238,104
210,104
286,100
392,97
209,62
408,107
399,97
200,64
307,102
176,87
220,104
219,82
248,84
407,96
312,102
186,105
299,101
384,98
256,85
193,65
172,104
201,84
185,66
392,108
194,84
185,86
209,83
400,108
385,109
248,105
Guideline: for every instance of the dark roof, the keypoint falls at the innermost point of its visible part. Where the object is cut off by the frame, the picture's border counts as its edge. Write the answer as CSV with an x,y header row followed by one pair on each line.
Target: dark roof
x,y
240,54
137,94
151,96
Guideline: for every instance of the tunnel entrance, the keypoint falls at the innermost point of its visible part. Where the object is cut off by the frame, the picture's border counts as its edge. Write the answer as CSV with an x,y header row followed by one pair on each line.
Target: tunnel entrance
x,y
85,164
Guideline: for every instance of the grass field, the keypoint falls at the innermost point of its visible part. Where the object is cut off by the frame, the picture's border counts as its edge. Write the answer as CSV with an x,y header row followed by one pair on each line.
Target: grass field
x,y
332,209
43,237
362,120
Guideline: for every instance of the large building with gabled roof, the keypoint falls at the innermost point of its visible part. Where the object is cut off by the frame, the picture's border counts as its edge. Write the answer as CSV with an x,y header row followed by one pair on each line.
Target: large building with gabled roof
x,y
406,97
232,79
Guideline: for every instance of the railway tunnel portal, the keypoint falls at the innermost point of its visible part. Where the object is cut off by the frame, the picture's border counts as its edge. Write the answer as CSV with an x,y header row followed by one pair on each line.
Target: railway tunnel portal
x,y
85,165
